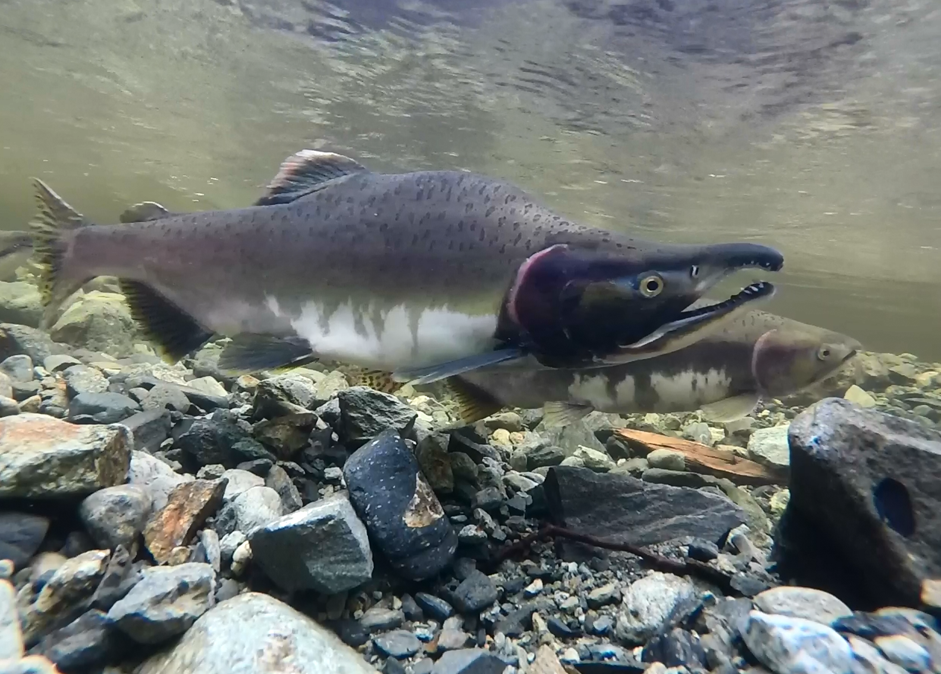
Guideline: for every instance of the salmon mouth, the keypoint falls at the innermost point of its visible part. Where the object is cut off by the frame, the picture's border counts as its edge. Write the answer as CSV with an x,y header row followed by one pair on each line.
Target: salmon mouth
x,y
694,324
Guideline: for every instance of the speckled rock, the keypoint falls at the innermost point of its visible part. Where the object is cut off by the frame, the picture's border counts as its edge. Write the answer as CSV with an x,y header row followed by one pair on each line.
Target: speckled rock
x,y
647,603
256,628
785,644
46,457
116,515
802,602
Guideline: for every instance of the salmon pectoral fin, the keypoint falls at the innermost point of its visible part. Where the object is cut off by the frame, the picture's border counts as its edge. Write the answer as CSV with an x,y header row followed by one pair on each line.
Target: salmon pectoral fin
x,y
173,332
249,353
427,375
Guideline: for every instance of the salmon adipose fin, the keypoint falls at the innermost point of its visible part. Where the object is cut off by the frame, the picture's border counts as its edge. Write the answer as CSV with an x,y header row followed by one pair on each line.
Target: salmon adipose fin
x,y
145,210
250,353
173,332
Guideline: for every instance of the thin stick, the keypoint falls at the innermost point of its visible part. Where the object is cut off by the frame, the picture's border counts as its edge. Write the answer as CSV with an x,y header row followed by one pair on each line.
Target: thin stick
x,y
658,562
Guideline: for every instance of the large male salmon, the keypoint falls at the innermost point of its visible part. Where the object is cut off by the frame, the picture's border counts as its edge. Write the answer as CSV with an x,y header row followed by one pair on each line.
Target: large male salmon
x,y
423,274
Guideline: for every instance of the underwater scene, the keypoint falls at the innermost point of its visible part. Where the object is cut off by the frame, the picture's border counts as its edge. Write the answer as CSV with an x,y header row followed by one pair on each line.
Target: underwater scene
x,y
470,337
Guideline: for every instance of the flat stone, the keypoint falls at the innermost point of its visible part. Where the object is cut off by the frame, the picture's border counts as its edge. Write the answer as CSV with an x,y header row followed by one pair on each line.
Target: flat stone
x,y
398,644
469,661
21,534
604,595
433,606
862,521
769,447
802,602
255,628
666,459
647,603
81,379
280,481
475,593
18,368
378,619
785,644
859,396
11,637
322,547
116,515
101,408
46,457
149,428
188,507
165,603
594,459
402,514
165,396
238,482
622,508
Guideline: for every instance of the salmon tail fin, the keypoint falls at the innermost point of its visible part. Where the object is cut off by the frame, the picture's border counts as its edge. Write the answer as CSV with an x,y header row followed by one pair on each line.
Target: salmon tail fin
x,y
52,231
172,331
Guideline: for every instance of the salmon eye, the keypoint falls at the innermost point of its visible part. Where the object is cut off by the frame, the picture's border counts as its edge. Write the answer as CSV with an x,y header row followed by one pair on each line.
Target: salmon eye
x,y
694,271
823,352
651,286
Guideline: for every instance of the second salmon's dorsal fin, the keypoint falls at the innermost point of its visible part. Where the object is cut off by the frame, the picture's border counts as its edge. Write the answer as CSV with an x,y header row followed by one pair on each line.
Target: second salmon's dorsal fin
x,y
473,404
145,210
378,380
305,171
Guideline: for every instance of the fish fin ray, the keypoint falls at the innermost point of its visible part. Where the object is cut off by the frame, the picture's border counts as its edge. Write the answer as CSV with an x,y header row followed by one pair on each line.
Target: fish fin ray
x,y
427,375
145,210
559,413
473,404
304,172
380,380
731,408
173,331
52,229
250,353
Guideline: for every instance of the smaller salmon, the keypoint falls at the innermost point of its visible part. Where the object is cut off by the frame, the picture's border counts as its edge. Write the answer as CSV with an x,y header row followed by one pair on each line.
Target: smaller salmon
x,y
757,356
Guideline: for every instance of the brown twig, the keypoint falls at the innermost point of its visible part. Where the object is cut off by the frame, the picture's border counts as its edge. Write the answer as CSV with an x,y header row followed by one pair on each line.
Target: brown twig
x,y
658,562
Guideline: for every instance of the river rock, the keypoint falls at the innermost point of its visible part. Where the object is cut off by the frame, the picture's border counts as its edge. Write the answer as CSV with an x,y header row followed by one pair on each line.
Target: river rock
x,y
622,508
98,322
210,440
802,602
101,408
20,302
786,644
255,628
21,534
863,520
11,637
400,510
253,508
647,603
238,482
282,395
81,379
768,446
45,457
165,603
116,515
66,595
18,339
188,506
155,476
149,428
469,661
365,413
322,547
85,643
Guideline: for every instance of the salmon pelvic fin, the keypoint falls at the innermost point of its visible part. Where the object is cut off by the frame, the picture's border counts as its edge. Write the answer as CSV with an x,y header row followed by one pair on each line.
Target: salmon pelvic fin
x,y
52,229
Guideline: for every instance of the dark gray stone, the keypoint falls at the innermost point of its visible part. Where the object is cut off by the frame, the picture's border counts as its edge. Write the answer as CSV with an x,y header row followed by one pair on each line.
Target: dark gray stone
x,y
101,408
435,607
365,413
149,428
21,534
119,577
322,547
475,593
864,517
210,440
623,509
87,642
116,515
81,379
20,339
400,510
469,661
165,603
278,479
165,397
378,619
398,644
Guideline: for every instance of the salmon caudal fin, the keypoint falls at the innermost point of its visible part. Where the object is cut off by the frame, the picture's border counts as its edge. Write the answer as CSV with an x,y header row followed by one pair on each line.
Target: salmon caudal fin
x,y
52,230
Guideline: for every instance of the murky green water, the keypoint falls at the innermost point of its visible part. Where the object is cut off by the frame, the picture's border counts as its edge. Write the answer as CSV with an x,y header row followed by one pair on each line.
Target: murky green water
x,y
815,127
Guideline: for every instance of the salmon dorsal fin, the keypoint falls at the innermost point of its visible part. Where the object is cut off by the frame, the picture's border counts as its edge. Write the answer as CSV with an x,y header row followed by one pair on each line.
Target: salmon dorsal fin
x,y
145,210
304,172
473,404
